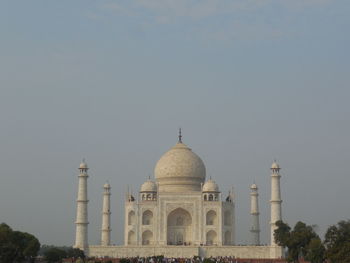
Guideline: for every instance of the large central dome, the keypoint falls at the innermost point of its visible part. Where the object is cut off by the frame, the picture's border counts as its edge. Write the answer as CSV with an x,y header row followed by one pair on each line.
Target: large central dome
x,y
180,170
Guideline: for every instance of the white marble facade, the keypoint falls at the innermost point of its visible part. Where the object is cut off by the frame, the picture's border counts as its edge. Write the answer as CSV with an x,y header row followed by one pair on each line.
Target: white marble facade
x,y
179,219
180,207
179,214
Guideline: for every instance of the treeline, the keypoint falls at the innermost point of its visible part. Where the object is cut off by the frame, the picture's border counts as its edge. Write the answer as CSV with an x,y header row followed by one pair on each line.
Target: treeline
x,y
17,246
302,242
56,254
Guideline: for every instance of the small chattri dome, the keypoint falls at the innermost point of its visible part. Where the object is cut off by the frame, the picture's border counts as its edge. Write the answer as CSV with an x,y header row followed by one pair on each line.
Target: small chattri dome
x,y
275,165
210,186
106,185
254,186
149,186
83,165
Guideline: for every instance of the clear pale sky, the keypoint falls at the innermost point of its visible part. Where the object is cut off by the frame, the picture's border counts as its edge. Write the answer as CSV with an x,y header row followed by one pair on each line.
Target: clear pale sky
x,y
112,81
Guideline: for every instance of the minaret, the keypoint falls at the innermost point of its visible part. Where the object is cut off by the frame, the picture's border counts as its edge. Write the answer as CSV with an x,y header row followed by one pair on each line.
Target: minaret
x,y
81,236
106,216
276,211
254,211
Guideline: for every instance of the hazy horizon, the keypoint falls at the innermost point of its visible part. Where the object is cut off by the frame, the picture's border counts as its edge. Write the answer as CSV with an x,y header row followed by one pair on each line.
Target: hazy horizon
x,y
112,81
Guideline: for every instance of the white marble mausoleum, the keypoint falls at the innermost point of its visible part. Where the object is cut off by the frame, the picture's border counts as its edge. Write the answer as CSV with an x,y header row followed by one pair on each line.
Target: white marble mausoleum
x,y
180,214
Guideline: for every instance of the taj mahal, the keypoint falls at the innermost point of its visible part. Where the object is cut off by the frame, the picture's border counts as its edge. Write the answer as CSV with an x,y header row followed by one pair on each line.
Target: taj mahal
x,y
180,214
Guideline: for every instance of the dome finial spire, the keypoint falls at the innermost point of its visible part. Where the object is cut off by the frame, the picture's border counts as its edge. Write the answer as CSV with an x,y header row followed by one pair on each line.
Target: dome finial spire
x,y
180,136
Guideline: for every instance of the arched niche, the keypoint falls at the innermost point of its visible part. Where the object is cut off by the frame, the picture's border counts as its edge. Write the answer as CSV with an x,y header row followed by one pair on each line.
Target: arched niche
x,y
131,218
147,217
131,238
147,238
211,238
179,227
211,218
227,218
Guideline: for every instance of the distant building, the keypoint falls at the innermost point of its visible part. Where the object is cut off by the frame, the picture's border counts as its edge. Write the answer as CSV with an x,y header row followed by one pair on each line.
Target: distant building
x,y
180,214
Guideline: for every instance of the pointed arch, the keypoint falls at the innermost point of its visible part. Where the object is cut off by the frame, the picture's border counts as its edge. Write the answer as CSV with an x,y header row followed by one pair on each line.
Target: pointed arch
x,y
147,238
211,238
131,238
179,228
147,218
131,218
211,218
227,238
227,218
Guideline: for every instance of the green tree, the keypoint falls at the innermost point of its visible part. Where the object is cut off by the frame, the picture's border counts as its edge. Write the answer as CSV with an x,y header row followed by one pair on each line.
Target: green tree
x,y
16,246
337,242
282,233
7,248
75,253
300,241
315,251
302,235
26,245
54,254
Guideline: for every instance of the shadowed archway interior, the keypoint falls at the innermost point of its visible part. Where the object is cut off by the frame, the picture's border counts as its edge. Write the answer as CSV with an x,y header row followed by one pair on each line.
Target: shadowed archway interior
x,y
179,228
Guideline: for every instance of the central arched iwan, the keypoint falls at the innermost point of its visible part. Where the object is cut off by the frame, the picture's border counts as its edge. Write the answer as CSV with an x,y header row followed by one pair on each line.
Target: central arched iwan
x,y
179,227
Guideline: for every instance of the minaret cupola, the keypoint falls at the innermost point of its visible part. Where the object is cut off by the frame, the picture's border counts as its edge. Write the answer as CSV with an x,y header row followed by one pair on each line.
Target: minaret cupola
x,y
275,168
83,167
